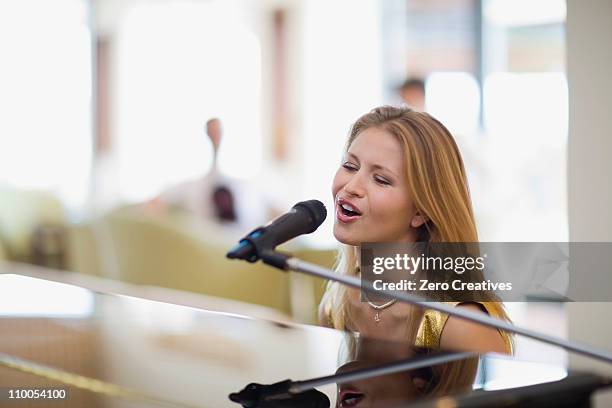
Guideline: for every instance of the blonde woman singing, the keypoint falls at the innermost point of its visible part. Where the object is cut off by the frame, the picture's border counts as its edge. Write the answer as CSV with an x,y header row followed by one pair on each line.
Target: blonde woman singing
x,y
402,179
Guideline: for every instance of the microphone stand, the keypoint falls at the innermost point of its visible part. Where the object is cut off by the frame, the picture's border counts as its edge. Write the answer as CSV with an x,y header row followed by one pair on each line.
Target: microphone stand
x,y
287,262
382,369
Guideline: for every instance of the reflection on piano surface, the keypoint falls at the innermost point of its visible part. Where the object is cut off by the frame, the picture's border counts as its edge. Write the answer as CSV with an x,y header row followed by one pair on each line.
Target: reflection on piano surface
x,y
110,350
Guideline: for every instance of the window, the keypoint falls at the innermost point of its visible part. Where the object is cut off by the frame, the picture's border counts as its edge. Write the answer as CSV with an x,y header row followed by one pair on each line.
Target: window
x,y
45,102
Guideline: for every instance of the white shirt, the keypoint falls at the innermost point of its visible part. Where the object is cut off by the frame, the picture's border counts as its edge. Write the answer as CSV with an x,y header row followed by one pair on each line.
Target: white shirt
x,y
195,197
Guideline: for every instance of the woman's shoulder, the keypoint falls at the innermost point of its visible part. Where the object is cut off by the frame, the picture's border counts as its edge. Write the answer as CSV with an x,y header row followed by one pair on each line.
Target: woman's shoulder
x,y
431,326
435,325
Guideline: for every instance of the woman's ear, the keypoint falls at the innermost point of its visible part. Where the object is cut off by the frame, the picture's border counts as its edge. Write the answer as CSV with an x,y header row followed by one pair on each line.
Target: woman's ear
x,y
418,220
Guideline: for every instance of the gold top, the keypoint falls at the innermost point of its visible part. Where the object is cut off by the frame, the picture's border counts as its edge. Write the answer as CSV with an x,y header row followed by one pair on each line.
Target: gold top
x,y
433,322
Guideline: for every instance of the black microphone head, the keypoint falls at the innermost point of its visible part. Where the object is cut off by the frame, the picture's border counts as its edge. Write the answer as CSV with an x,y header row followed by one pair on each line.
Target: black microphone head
x,y
304,218
315,209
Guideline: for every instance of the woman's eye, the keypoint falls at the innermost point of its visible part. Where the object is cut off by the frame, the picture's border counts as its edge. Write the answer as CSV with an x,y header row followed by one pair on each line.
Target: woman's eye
x,y
382,181
349,166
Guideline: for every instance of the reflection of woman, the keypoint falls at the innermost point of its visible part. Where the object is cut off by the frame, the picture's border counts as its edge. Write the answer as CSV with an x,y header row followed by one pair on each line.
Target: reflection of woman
x,y
402,180
397,389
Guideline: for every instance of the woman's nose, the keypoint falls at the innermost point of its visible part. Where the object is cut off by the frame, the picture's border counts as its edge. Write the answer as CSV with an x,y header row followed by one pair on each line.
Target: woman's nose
x,y
354,186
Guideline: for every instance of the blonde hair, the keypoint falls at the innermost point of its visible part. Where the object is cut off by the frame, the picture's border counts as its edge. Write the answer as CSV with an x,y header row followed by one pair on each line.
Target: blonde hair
x,y
437,184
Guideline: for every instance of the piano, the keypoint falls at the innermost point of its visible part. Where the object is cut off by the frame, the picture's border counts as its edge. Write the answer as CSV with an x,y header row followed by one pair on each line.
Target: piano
x,y
67,343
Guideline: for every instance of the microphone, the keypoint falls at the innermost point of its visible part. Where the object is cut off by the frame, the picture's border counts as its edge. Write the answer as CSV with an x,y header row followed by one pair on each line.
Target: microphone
x,y
305,217
278,395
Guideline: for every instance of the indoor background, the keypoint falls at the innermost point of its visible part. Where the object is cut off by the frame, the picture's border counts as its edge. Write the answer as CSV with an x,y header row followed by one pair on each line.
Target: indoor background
x,y
103,106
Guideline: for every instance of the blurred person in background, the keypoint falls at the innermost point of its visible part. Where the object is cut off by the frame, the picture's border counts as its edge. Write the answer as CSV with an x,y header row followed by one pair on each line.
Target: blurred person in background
x,y
215,197
412,92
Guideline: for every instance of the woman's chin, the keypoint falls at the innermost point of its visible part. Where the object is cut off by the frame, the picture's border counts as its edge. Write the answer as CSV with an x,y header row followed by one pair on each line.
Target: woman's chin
x,y
344,238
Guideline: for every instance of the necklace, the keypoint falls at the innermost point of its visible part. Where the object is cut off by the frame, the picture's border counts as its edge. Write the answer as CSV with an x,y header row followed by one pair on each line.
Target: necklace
x,y
379,308
374,306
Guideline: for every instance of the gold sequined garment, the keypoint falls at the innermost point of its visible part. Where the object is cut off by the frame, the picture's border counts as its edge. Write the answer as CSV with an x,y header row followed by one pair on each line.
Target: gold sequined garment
x,y
432,324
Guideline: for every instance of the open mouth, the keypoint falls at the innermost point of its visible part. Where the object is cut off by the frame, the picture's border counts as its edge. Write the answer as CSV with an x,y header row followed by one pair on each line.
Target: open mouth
x,y
350,398
347,211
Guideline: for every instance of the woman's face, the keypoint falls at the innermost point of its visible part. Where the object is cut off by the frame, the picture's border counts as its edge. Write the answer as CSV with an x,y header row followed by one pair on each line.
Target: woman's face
x,y
371,194
388,390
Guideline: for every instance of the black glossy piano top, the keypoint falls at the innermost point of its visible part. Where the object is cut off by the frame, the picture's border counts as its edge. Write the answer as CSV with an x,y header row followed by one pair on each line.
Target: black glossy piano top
x,y
109,350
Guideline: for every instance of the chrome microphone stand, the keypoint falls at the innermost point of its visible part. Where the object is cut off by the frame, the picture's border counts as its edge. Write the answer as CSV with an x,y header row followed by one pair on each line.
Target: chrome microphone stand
x,y
288,263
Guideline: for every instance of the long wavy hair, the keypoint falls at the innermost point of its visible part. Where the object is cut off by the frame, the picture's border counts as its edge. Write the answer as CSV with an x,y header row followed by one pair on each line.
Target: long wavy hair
x,y
437,184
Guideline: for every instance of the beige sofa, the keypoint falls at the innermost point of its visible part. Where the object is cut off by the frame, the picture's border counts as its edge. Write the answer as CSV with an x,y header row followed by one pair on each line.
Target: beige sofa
x,y
172,252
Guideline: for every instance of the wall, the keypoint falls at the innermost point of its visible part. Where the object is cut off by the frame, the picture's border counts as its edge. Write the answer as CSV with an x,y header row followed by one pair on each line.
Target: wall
x,y
589,34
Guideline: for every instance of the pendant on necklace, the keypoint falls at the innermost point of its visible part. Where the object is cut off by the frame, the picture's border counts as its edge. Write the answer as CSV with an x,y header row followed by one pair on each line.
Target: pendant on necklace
x,y
376,317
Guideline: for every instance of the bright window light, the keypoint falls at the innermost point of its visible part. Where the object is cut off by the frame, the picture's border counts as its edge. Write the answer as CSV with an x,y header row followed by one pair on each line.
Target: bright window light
x,y
526,119
342,79
454,99
204,63
45,97
528,107
507,13
506,373
29,297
